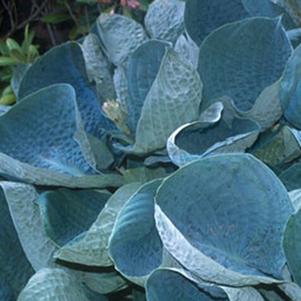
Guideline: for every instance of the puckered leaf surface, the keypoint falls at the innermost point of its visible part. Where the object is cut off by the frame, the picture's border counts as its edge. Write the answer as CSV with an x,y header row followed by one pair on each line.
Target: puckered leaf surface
x,y
15,270
173,100
230,231
45,145
66,64
25,213
120,36
165,19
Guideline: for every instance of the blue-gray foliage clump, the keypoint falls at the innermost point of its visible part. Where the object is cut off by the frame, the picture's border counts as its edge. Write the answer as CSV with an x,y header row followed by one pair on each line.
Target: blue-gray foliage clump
x,y
158,161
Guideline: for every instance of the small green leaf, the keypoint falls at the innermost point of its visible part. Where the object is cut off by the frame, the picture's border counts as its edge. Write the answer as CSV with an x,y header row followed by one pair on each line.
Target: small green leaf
x,y
7,61
56,18
12,44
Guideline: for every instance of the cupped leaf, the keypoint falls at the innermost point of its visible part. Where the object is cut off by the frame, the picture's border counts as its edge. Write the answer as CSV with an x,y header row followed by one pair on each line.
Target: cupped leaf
x,y
15,270
164,20
257,50
43,145
55,284
66,64
91,248
120,36
170,285
290,89
143,67
200,139
173,100
135,245
228,232
67,213
292,246
25,213
204,16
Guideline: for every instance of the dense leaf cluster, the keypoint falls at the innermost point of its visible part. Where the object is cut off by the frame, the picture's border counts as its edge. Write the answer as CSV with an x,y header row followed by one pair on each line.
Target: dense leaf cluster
x,y
159,161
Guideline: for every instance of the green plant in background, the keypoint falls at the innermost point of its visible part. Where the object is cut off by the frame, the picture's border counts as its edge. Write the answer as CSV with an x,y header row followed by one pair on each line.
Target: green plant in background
x,y
14,55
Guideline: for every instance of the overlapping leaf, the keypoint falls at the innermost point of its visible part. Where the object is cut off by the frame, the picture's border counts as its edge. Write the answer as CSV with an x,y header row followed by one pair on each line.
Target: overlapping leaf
x,y
15,270
135,246
218,234
51,149
66,64
165,19
55,284
91,248
241,59
25,213
173,100
200,139
120,36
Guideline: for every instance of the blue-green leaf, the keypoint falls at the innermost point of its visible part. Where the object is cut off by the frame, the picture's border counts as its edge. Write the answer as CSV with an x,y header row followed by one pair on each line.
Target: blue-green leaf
x,y
43,145
104,283
120,36
91,248
66,64
143,67
55,284
228,231
200,139
135,245
204,16
164,20
15,270
187,50
256,53
170,285
173,100
290,89
291,176
99,69
67,213
25,213
292,246
277,147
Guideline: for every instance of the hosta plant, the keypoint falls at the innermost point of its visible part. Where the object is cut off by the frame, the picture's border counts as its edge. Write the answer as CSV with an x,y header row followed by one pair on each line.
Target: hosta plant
x,y
158,161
